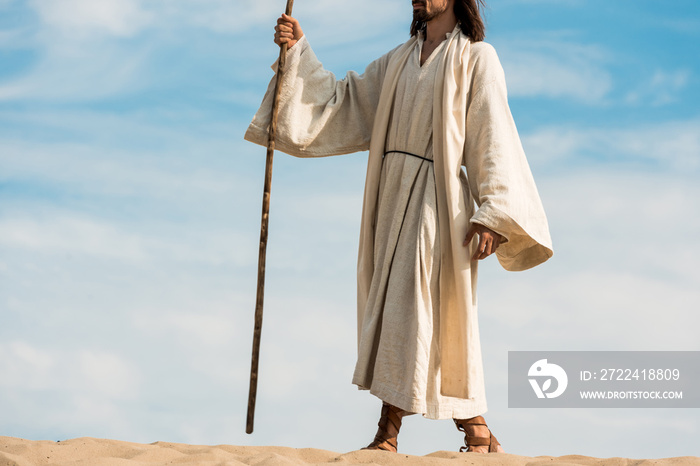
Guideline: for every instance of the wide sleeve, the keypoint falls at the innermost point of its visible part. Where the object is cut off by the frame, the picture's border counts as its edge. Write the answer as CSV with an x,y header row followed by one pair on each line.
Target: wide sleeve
x,y
318,114
499,176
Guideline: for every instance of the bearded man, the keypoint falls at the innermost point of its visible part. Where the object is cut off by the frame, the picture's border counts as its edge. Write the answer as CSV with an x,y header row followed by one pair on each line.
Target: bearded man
x,y
425,110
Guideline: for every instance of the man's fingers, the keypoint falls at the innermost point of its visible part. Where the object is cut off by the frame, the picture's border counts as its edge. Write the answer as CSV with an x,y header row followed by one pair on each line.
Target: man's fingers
x,y
287,31
473,230
289,23
481,248
470,235
478,255
491,247
283,33
489,241
285,25
487,246
495,243
289,19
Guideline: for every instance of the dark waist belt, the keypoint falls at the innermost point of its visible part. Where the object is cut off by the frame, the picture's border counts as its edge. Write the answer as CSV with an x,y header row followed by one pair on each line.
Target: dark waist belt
x,y
407,153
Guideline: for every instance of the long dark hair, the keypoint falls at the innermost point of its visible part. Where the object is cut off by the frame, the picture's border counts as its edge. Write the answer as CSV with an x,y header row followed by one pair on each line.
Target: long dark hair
x,y
469,16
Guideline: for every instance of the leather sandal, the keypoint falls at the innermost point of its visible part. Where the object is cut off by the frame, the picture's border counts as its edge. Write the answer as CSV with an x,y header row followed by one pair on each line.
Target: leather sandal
x,y
383,440
473,440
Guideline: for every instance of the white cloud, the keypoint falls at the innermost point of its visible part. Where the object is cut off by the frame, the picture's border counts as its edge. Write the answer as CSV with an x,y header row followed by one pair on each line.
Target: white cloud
x,y
625,253
96,49
122,18
80,69
567,3
193,177
662,88
210,327
96,374
85,51
71,234
108,374
19,37
128,17
23,363
93,155
65,233
688,25
671,145
235,18
556,68
62,389
12,91
220,16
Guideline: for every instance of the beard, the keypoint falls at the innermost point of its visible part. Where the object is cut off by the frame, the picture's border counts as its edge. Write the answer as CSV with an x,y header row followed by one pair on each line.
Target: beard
x,y
421,15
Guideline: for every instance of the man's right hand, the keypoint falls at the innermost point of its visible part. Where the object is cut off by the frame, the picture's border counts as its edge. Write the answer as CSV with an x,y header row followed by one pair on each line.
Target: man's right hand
x,y
288,31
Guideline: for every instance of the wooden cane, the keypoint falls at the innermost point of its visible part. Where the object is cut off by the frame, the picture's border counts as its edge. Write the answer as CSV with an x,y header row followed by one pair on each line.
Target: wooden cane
x,y
252,393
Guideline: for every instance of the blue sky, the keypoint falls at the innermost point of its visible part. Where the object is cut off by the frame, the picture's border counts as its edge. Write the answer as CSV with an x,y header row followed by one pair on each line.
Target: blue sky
x,y
130,210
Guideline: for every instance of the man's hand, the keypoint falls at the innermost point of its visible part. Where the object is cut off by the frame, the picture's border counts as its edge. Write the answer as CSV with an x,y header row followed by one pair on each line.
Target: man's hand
x,y
488,241
288,31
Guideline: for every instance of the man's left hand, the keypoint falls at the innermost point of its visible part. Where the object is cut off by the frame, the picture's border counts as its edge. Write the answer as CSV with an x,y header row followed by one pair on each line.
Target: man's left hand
x,y
488,241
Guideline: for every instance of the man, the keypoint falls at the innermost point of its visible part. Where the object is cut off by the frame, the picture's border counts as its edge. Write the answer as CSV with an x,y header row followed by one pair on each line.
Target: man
x,y
424,110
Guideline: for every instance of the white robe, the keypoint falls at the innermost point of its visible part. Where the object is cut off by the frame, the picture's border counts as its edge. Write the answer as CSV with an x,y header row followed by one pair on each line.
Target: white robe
x,y
471,126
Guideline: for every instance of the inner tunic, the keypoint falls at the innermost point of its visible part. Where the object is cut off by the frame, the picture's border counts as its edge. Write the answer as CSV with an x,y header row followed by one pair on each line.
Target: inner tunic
x,y
399,349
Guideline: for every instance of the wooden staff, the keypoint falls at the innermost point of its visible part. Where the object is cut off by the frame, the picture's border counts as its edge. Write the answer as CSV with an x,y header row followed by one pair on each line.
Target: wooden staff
x,y
263,236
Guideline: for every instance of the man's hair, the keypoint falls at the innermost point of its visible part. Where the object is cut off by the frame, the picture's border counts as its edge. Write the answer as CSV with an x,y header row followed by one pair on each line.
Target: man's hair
x,y
469,17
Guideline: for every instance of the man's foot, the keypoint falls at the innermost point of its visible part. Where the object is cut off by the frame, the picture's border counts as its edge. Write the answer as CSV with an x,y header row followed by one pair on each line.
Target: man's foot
x,y
477,436
389,425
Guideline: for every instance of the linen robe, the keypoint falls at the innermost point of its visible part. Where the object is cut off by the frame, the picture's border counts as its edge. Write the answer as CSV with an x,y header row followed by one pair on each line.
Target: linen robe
x,y
472,128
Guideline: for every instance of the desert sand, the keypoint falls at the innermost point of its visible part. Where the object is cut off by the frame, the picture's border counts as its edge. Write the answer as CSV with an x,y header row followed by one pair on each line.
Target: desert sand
x,y
99,452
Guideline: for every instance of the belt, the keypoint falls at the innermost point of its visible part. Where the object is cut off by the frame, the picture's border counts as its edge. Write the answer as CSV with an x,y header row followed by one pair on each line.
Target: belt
x,y
406,153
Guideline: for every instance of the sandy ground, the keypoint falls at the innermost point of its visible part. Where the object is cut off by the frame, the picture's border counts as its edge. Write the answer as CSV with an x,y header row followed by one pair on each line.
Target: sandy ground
x,y
99,452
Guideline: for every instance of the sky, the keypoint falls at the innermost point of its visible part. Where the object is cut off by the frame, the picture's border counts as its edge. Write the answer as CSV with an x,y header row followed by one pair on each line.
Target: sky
x,y
130,216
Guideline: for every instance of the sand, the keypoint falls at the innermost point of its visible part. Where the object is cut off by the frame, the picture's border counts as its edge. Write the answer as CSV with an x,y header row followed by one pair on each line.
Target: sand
x,y
99,452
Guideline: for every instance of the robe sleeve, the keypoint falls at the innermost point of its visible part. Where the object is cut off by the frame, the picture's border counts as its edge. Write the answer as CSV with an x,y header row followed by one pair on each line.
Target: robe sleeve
x,y
500,179
319,115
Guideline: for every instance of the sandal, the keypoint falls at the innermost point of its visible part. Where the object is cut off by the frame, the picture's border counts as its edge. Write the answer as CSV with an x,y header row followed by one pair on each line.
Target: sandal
x,y
383,440
472,440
